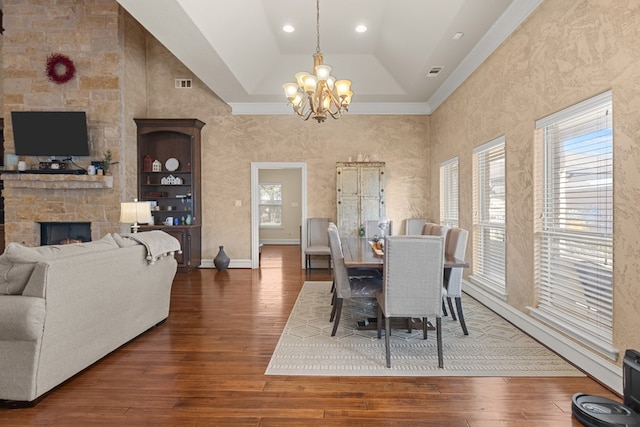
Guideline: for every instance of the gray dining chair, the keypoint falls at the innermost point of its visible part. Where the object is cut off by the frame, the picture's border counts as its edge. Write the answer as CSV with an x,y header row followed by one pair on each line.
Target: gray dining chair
x,y
457,248
317,241
371,229
426,228
347,287
412,285
439,230
413,226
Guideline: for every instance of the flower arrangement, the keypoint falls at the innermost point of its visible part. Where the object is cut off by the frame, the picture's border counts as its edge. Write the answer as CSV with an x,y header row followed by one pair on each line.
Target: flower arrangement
x,y
60,68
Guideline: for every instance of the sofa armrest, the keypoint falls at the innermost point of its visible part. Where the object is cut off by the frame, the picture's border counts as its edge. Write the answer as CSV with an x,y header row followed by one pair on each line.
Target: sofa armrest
x,y
21,318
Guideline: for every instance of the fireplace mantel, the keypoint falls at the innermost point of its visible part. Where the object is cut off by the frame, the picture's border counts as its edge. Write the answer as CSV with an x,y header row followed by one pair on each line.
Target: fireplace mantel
x,y
56,181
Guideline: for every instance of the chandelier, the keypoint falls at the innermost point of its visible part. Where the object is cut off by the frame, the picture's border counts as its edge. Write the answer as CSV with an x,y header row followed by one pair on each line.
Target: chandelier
x,y
318,94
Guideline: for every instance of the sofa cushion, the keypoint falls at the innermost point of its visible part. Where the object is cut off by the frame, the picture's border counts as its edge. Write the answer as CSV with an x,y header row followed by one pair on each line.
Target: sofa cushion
x,y
18,261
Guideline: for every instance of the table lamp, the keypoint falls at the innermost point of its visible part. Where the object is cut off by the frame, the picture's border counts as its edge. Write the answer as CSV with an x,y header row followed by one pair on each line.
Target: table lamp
x,y
135,212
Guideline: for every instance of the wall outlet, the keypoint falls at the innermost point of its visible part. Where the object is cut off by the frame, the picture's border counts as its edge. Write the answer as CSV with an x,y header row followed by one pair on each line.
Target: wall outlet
x,y
238,203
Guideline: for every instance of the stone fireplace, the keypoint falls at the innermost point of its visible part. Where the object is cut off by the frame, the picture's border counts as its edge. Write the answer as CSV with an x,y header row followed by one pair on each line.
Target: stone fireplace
x,y
35,199
61,233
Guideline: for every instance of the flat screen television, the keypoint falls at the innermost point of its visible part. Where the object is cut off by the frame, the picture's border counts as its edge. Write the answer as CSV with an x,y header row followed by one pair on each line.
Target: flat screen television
x,y
50,133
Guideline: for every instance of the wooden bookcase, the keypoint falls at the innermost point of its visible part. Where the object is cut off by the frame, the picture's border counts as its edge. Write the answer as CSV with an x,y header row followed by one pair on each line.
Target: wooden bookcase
x,y
176,191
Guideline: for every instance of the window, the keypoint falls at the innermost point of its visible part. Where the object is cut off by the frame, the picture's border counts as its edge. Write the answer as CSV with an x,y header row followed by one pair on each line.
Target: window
x,y
489,215
574,222
270,205
449,193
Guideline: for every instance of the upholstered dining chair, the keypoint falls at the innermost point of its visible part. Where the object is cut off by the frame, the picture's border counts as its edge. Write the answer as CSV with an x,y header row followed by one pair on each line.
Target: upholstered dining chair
x,y
413,226
456,247
317,241
347,287
426,228
355,272
412,284
439,230
371,229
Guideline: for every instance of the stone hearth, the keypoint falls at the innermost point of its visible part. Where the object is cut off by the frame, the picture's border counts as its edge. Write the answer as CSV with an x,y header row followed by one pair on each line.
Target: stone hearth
x,y
31,199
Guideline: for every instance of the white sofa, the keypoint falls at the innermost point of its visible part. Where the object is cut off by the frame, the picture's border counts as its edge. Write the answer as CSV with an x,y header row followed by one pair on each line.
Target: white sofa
x,y
62,308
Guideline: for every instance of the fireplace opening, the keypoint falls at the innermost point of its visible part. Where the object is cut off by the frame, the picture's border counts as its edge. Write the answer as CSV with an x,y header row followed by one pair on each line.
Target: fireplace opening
x,y
62,233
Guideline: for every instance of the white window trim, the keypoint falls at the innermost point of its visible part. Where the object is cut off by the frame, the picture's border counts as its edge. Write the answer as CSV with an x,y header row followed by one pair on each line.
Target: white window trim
x,y
574,327
260,204
498,287
447,196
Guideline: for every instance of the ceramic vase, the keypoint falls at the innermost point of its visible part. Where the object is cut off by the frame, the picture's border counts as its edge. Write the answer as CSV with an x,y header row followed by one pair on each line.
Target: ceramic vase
x,y
221,261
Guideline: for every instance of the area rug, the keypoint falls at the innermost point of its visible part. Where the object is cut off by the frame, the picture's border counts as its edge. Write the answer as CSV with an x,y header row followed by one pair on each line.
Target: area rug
x,y
493,347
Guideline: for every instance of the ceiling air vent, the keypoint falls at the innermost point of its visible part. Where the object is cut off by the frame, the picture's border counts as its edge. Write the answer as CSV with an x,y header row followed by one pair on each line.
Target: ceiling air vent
x,y
183,83
434,71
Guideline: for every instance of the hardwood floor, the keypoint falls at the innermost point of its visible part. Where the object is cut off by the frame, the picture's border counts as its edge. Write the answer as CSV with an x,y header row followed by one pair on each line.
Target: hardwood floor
x,y
205,366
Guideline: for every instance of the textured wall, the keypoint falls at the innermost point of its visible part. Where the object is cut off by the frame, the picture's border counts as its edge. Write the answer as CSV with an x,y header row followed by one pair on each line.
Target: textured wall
x,y
565,52
231,143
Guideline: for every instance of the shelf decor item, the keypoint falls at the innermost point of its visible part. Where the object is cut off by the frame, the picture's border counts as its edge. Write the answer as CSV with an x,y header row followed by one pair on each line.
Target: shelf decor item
x,y
221,261
147,163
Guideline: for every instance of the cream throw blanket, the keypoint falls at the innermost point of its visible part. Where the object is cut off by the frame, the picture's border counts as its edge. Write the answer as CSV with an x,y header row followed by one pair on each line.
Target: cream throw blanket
x,y
158,244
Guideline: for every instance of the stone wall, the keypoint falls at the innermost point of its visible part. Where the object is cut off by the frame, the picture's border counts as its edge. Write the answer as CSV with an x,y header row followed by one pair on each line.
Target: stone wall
x,y
88,32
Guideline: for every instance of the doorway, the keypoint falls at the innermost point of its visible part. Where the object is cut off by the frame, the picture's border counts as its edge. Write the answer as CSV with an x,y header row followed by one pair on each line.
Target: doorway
x,y
255,209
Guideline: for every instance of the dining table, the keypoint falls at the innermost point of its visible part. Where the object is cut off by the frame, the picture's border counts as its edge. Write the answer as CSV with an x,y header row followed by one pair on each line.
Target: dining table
x,y
358,252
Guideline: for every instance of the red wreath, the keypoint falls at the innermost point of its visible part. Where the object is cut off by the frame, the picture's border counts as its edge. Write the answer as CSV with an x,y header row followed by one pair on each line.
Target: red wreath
x,y
56,63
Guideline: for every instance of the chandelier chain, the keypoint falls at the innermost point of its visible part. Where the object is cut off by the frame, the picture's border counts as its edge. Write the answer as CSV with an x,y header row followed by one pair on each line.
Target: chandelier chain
x,y
318,26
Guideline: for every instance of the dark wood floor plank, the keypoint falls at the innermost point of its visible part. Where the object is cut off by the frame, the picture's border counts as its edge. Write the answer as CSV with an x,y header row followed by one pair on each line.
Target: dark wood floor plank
x,y
205,367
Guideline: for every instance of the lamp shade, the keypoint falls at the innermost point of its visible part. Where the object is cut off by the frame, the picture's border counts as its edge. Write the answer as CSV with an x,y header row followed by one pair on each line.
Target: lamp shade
x,y
134,212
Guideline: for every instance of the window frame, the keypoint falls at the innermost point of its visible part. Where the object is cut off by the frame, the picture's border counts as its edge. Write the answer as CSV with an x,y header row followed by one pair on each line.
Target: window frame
x,y
573,240
262,205
489,229
449,193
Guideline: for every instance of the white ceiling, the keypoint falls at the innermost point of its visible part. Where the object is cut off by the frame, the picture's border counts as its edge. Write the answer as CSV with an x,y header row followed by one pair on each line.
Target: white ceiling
x,y
238,47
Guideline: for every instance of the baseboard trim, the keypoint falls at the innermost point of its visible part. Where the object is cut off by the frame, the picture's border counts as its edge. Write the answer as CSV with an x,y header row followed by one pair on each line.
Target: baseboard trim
x,y
234,263
603,371
280,241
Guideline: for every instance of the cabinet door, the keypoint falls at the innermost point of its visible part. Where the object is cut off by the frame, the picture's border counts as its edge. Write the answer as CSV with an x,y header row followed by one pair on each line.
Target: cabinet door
x,y
348,200
181,235
360,195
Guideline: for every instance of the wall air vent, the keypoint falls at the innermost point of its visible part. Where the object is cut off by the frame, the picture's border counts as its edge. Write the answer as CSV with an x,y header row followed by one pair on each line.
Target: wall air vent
x,y
434,71
183,83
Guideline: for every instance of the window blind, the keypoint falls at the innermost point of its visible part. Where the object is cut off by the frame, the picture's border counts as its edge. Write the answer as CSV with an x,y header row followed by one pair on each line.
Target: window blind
x,y
449,193
489,215
574,221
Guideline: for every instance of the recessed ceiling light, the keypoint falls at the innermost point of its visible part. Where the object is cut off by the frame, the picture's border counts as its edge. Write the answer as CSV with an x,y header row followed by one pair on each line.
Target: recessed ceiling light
x,y
288,29
458,36
361,28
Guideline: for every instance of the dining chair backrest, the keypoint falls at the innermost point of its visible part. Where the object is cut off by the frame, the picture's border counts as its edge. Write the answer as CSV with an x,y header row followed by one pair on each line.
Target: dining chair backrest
x,y
371,229
334,227
457,248
413,274
317,232
438,230
413,226
426,228
340,273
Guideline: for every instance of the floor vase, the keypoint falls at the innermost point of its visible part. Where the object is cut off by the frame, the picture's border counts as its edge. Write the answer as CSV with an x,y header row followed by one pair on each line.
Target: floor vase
x,y
221,261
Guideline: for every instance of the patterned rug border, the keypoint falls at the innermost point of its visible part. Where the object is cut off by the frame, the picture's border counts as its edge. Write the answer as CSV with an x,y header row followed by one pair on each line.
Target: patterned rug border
x,y
493,348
